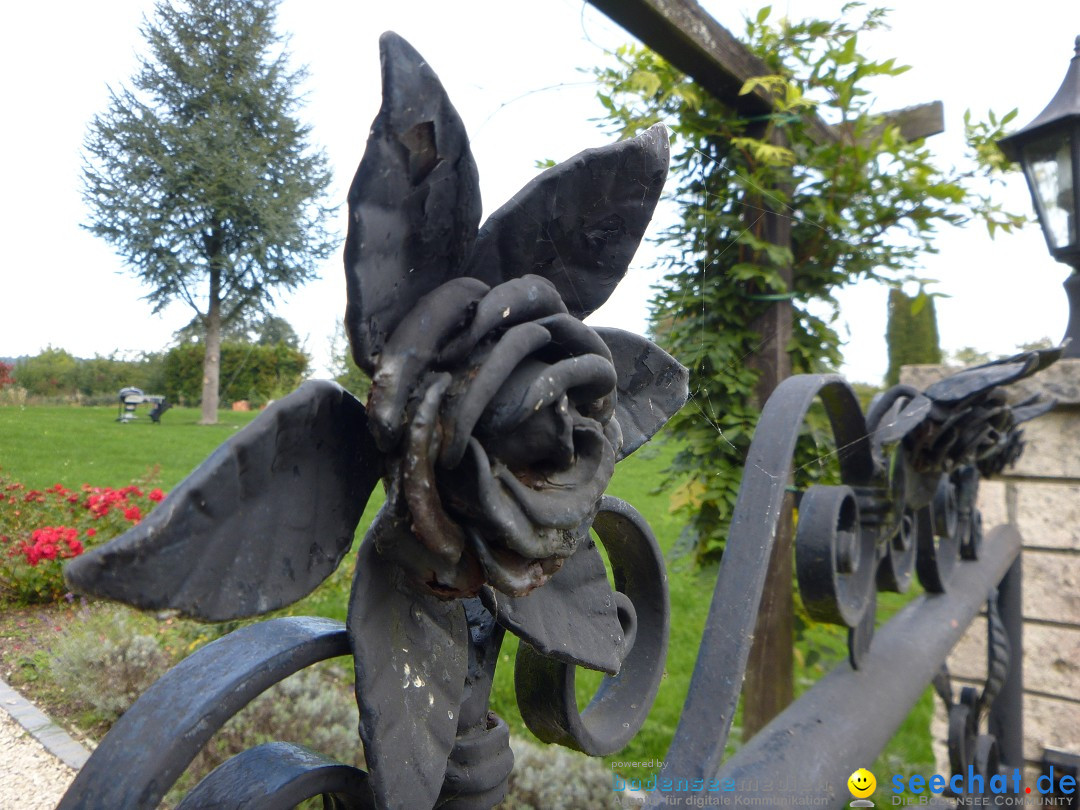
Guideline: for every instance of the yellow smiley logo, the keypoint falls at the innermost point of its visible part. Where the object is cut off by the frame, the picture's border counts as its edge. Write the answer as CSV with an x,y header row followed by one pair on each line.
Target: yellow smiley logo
x,y
861,783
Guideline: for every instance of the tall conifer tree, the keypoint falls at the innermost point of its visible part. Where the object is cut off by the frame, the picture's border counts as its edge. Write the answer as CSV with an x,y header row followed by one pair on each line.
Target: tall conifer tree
x,y
200,174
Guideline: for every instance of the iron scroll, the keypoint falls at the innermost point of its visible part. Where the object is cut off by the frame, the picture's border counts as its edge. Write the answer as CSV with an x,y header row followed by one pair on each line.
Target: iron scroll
x,y
546,687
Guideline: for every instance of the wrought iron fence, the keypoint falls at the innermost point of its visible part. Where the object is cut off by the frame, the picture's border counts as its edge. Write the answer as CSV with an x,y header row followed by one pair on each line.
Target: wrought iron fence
x,y
495,420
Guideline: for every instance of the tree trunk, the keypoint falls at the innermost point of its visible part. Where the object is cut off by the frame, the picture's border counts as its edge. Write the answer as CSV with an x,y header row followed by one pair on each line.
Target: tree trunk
x,y
212,360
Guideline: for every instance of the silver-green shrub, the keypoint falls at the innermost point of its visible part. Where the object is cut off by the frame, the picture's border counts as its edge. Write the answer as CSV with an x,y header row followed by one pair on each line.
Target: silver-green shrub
x,y
107,660
547,777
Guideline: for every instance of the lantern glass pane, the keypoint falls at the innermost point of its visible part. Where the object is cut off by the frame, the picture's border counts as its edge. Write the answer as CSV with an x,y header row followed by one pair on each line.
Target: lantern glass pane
x,y
1048,162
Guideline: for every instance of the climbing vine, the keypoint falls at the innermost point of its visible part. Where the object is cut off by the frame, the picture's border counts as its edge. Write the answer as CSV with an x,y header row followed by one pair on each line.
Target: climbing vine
x,y
863,206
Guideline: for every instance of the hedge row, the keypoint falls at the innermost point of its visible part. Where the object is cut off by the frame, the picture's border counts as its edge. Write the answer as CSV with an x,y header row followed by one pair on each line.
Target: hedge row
x,y
248,372
257,373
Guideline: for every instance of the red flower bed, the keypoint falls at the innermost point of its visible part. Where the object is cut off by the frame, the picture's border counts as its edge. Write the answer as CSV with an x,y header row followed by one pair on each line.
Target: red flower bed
x,y
40,529
51,542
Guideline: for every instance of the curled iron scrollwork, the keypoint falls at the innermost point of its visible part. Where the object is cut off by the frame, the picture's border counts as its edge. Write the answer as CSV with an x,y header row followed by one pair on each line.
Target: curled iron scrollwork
x,y
835,557
909,472
546,686
917,509
495,420
973,748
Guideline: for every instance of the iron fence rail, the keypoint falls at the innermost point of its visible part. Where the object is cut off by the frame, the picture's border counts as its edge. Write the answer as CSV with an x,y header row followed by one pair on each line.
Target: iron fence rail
x,y
850,715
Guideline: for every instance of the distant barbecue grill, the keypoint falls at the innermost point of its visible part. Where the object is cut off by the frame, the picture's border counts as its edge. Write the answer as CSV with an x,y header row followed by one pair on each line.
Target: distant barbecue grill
x,y
130,397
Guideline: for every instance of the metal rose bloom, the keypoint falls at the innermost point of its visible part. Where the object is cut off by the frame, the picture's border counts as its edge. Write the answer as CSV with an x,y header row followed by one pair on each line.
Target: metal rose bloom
x,y
495,408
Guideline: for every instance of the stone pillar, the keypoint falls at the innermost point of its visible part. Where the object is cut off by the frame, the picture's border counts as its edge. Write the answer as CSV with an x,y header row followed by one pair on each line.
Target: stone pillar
x,y
1041,496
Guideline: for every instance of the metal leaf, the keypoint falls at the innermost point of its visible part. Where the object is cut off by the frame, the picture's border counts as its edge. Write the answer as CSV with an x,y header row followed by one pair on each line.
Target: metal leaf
x,y
652,386
1032,408
258,525
414,204
579,223
573,618
411,656
973,381
902,420
978,379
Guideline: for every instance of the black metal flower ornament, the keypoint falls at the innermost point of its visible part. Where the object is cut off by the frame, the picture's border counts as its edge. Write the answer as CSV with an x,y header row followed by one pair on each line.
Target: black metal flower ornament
x,y
495,420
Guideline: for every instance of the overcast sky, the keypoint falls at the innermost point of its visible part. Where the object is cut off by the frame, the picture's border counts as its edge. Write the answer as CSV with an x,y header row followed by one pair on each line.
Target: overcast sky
x,y
512,69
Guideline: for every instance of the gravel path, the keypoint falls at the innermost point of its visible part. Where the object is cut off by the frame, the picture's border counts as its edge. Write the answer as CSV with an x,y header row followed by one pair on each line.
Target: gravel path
x,y
36,765
30,777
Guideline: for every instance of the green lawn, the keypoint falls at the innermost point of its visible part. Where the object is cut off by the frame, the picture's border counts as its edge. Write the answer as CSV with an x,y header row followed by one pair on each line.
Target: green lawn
x,y
41,446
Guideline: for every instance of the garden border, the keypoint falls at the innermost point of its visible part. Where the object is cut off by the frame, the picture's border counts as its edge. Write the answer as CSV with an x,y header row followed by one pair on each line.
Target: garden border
x,y
38,725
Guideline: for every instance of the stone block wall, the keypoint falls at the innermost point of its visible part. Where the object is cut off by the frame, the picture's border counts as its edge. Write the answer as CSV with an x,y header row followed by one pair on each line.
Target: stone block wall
x,y
1041,496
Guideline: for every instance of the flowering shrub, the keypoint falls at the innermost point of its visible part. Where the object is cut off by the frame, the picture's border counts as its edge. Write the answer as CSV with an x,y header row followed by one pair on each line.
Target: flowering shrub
x,y
50,543
41,529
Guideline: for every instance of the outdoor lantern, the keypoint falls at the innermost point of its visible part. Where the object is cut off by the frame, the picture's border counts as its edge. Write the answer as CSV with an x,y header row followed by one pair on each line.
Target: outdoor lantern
x,y
1048,149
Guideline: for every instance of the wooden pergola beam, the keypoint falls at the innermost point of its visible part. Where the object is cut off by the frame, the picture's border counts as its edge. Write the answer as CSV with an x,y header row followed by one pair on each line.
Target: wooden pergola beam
x,y
688,37
693,41
919,121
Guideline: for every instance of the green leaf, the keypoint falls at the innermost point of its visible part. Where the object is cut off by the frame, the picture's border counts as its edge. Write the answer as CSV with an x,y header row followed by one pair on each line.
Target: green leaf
x,y
918,303
645,82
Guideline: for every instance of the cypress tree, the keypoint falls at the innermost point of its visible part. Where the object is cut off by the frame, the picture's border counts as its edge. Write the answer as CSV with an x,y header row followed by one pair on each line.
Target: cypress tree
x,y
911,333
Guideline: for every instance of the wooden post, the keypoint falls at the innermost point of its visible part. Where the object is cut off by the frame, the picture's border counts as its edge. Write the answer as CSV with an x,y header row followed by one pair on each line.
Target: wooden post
x,y
770,678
